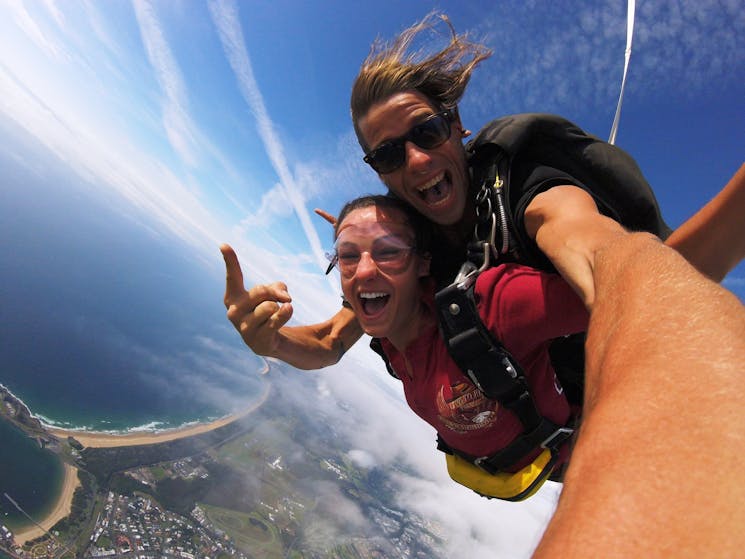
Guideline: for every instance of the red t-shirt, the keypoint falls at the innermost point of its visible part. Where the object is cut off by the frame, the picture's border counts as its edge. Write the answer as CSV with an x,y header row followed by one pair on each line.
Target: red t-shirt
x,y
525,309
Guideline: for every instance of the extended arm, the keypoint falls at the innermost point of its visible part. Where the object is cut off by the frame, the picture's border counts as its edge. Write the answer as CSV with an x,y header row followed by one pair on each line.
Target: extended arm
x,y
260,314
654,472
567,227
713,239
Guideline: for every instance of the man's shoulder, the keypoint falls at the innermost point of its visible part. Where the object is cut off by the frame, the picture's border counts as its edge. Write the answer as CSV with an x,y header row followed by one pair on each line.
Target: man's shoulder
x,y
511,132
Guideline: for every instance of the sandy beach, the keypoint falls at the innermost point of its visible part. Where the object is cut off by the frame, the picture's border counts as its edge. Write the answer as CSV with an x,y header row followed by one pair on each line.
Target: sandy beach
x,y
60,510
93,439
107,440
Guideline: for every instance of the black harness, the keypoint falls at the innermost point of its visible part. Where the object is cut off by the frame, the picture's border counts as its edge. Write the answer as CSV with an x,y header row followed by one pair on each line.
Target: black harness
x,y
481,356
488,364
477,352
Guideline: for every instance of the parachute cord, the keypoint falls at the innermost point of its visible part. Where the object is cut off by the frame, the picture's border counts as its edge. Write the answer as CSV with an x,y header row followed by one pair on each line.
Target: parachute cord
x,y
629,35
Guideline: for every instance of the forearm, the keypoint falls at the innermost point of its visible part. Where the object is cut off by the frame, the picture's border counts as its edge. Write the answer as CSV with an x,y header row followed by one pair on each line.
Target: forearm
x,y
654,470
569,230
318,345
713,240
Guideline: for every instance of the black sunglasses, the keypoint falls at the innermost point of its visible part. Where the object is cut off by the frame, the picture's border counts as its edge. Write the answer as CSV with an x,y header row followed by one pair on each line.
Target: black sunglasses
x,y
429,134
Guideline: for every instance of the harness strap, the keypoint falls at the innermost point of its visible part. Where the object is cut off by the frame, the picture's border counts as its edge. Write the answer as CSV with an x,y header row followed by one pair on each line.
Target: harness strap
x,y
475,350
547,435
488,364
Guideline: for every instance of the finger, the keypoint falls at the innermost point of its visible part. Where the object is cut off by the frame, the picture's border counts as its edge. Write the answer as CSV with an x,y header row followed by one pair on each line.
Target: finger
x,y
242,307
327,216
281,317
276,291
260,328
271,314
233,273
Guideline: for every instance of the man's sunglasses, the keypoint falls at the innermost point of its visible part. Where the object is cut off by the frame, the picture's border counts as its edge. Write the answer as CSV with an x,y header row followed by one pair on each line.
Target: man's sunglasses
x,y
429,134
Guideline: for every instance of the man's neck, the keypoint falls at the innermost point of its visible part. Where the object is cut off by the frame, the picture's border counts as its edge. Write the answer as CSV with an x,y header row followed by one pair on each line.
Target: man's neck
x,y
459,234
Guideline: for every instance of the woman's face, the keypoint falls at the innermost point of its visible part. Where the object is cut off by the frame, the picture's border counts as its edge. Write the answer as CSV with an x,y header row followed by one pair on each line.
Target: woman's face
x,y
380,271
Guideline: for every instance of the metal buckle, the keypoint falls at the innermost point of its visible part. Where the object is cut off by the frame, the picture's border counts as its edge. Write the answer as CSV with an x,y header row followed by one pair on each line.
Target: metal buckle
x,y
466,275
487,244
557,437
484,465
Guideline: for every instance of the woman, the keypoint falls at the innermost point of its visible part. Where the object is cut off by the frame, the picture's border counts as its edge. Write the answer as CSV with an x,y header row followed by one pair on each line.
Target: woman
x,y
382,255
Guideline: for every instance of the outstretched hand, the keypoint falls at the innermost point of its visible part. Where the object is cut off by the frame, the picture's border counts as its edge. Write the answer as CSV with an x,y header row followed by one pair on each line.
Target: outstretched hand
x,y
259,313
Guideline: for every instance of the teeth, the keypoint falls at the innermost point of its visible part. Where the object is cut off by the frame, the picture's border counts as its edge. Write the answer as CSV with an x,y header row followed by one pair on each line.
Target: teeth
x,y
429,184
372,295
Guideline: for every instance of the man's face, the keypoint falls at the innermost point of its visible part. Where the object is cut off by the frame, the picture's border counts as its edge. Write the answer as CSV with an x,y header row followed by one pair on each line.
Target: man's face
x,y
434,181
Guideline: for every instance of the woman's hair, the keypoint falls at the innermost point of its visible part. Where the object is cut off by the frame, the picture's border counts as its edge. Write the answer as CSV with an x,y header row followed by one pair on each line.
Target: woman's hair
x,y
441,77
421,227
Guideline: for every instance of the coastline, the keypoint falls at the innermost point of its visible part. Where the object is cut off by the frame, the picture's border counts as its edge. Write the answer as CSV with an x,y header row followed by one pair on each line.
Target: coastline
x,y
63,503
60,510
98,439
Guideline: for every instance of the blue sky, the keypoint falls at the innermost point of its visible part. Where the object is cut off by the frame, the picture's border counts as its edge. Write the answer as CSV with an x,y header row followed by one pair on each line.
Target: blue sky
x,y
229,122
138,136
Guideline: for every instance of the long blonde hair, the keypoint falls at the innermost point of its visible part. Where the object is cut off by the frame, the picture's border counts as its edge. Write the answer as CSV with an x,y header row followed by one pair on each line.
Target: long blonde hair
x,y
388,69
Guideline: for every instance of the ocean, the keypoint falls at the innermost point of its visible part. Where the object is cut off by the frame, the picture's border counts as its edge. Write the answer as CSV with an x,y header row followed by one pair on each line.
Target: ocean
x,y
105,324
30,475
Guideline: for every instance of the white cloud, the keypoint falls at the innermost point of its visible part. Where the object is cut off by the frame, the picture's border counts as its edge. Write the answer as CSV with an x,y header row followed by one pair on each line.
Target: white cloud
x,y
30,26
55,12
94,130
176,120
366,405
49,100
225,17
99,27
477,527
576,61
274,203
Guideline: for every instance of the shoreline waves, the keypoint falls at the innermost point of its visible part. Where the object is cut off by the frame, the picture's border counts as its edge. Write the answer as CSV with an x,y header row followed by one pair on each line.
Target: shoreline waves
x,y
102,439
97,439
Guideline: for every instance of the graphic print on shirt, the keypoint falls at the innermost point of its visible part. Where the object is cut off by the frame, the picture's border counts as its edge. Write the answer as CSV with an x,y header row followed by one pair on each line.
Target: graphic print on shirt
x,y
462,407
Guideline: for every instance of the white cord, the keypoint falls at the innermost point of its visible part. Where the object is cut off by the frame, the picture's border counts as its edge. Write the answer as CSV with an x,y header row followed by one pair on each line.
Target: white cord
x,y
629,37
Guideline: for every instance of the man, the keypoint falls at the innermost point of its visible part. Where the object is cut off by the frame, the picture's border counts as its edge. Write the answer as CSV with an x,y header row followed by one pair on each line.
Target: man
x,y
395,102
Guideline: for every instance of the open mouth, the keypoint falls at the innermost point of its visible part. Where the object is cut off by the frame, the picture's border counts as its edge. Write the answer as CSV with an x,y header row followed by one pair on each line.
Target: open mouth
x,y
436,190
373,303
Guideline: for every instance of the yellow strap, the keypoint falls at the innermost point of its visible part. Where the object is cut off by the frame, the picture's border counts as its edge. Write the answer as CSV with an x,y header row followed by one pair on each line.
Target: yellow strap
x,y
509,486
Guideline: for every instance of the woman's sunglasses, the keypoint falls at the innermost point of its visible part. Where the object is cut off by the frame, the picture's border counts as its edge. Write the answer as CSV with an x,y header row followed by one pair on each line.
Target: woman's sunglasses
x,y
429,134
390,254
